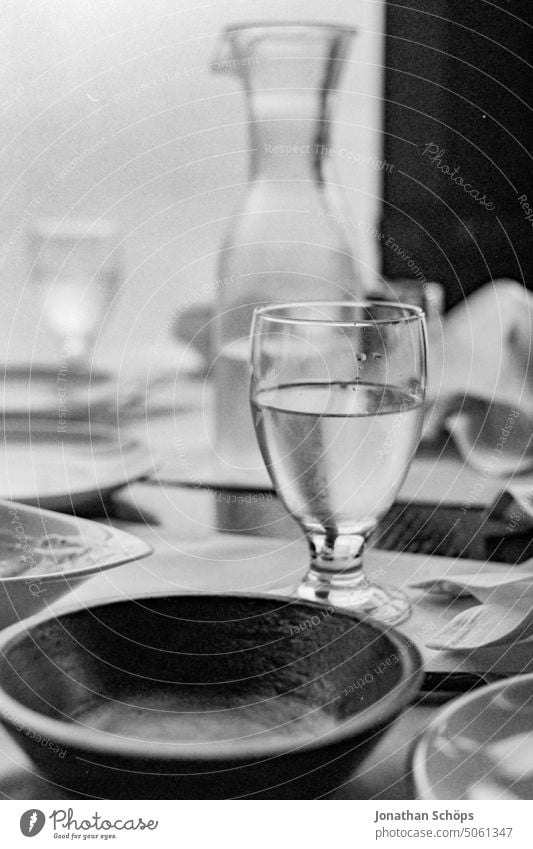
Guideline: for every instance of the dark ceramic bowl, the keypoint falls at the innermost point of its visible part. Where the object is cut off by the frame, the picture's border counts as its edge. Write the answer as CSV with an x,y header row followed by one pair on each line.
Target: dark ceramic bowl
x,y
202,696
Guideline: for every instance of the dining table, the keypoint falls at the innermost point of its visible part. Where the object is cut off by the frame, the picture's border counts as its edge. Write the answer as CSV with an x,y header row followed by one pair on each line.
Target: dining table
x,y
205,538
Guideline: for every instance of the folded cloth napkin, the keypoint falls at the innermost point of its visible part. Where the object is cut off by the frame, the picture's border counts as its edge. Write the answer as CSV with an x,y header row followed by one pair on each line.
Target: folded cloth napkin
x,y
481,379
485,348
504,614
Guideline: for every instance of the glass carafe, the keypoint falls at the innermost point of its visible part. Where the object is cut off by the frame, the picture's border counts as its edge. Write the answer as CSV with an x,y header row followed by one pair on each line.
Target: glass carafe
x,y
286,241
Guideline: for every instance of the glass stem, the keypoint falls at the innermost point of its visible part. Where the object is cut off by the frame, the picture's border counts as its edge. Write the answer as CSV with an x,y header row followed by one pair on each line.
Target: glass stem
x,y
336,558
336,576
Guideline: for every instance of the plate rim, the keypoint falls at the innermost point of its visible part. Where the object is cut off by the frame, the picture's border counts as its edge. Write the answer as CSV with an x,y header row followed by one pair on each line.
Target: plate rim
x,y
115,533
136,460
24,372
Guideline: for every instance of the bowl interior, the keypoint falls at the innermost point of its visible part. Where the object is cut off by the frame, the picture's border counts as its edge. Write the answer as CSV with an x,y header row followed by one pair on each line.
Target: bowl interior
x,y
206,669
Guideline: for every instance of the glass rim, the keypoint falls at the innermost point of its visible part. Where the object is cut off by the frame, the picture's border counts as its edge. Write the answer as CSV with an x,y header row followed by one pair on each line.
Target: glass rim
x,y
414,313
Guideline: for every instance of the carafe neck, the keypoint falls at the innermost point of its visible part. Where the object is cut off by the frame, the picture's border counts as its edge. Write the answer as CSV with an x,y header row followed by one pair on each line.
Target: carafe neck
x,y
289,72
289,138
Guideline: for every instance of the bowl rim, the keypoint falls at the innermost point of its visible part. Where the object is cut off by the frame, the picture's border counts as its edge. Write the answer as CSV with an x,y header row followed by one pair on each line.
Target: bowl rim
x,y
71,737
418,755
104,530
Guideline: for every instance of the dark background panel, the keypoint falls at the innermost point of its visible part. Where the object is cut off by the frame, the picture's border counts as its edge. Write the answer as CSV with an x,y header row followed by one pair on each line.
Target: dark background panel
x,y
458,78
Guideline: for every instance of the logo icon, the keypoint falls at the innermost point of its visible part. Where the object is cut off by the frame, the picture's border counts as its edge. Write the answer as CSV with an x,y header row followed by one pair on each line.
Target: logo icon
x,y
32,822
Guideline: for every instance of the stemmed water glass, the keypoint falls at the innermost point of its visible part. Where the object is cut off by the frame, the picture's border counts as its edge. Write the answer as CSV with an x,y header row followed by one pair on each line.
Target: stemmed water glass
x,y
337,395
76,268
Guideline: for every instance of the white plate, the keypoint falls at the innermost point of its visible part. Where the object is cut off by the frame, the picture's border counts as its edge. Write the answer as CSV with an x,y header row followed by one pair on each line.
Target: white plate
x,y
27,593
479,746
62,467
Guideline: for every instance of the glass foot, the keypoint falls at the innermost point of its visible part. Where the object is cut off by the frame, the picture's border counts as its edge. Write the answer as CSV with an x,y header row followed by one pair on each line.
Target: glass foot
x,y
388,605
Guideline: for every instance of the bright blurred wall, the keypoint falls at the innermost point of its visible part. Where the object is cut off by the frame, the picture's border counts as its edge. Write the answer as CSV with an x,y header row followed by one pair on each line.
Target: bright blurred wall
x,y
108,109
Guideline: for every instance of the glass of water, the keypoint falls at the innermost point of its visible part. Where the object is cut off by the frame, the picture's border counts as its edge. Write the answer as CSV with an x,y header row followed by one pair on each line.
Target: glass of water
x,y
76,267
337,396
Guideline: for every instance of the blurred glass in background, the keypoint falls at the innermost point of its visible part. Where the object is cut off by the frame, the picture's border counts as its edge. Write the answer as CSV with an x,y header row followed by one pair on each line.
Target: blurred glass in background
x,y
76,271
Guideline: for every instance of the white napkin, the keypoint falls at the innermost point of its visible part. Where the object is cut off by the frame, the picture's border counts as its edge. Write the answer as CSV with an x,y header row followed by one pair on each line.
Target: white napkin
x,y
485,348
505,611
481,392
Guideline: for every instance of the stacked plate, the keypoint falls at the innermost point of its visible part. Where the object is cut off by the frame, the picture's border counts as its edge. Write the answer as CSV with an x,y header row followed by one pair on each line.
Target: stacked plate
x,y
53,452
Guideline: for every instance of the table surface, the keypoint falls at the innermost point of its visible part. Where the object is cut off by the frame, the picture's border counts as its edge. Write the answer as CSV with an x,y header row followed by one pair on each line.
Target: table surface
x,y
189,554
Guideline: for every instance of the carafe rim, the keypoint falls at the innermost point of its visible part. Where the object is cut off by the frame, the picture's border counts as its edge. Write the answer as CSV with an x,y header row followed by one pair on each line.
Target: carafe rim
x,y
289,25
